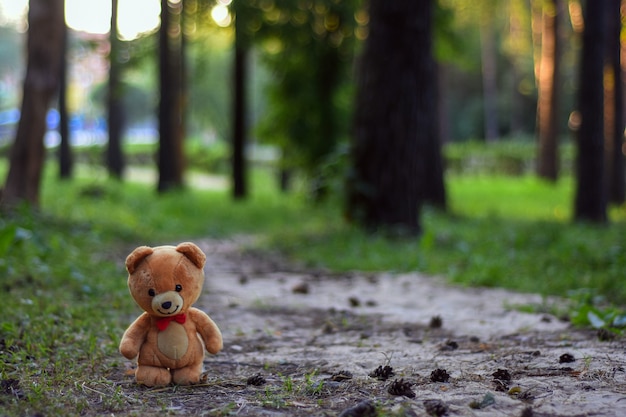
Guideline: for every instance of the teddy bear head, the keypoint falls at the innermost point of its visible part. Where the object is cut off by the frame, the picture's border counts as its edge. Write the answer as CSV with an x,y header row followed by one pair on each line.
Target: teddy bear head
x,y
166,280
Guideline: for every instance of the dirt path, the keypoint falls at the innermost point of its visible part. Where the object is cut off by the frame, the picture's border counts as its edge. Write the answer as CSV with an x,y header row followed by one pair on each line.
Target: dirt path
x,y
307,343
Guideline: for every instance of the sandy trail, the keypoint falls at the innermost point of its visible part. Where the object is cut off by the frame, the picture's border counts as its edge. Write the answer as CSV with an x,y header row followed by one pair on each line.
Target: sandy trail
x,y
278,320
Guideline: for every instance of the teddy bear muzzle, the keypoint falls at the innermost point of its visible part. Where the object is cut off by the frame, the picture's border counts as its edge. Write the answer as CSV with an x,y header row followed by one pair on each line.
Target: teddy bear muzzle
x,y
167,303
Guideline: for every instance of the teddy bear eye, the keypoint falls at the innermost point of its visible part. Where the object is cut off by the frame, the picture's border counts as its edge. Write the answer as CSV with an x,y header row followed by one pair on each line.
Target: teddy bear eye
x,y
151,292
179,288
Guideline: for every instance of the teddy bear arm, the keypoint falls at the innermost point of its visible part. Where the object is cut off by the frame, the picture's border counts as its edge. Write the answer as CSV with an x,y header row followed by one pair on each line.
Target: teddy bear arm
x,y
208,330
134,336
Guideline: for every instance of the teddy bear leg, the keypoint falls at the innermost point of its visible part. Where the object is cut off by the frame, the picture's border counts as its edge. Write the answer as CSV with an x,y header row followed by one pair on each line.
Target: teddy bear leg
x,y
153,376
187,375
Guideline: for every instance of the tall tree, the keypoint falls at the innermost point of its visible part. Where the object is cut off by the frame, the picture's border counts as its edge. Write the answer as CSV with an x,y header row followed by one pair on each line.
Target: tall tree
x,y
591,200
308,47
65,150
614,111
239,107
170,156
549,82
114,156
396,154
44,54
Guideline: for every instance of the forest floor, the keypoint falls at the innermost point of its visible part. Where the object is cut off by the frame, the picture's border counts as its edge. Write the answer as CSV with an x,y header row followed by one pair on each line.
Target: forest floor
x,y
301,342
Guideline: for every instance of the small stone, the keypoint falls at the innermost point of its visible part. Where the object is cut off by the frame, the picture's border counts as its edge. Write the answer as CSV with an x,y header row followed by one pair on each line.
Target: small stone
x,y
435,408
341,376
436,322
450,345
362,409
301,288
354,302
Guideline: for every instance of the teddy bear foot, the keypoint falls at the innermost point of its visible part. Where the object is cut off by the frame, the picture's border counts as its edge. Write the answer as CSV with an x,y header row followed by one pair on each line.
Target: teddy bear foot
x,y
152,376
187,376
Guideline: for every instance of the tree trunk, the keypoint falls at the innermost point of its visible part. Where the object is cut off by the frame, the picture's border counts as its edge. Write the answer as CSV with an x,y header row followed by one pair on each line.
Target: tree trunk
x,y
65,150
171,158
115,158
591,200
395,143
615,117
239,112
44,54
548,102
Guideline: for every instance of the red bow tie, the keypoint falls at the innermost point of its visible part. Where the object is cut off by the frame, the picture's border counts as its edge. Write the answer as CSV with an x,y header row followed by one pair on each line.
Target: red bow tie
x,y
163,322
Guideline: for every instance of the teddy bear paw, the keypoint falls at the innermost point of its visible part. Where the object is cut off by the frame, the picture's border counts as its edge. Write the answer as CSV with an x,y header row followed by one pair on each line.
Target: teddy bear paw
x,y
186,376
152,376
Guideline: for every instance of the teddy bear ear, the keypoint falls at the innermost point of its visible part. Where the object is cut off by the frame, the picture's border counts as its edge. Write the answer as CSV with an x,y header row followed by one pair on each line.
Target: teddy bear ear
x,y
136,256
193,253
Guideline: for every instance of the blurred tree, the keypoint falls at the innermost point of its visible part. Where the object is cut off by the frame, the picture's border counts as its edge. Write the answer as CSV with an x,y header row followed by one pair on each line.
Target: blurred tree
x,y
549,81
396,152
308,46
239,105
517,47
114,155
614,107
591,199
494,95
65,150
171,103
44,55
488,55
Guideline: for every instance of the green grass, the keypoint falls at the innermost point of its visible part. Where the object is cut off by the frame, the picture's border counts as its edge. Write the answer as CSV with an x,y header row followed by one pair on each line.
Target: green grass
x,y
66,305
65,300
502,231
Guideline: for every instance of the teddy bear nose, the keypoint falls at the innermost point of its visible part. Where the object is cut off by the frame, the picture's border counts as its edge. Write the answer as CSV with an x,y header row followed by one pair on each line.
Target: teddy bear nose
x,y
166,305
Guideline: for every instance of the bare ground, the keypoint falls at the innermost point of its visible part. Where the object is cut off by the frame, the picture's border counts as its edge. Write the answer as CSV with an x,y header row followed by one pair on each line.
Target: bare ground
x,y
311,343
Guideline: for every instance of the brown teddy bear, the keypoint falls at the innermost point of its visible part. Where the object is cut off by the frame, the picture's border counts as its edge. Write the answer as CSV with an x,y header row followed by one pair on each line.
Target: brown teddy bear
x,y
169,338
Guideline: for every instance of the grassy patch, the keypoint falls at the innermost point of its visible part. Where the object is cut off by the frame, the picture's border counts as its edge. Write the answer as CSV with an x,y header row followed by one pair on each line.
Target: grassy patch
x,y
63,308
502,231
66,303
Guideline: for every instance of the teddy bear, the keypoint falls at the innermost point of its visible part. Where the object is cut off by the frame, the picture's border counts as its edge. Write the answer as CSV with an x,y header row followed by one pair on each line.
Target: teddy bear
x,y
169,338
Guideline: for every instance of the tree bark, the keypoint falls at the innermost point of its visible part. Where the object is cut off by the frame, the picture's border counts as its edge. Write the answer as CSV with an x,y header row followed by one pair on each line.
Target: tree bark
x,y
615,117
171,158
115,157
44,54
591,200
239,112
65,150
396,150
549,82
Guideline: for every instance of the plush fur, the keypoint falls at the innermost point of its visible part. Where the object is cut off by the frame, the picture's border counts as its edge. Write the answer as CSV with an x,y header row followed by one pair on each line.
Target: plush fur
x,y
169,338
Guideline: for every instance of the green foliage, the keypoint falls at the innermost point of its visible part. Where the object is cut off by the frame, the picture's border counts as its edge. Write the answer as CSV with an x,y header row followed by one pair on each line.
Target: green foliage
x,y
309,48
67,303
214,158
505,232
515,156
61,311
588,309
